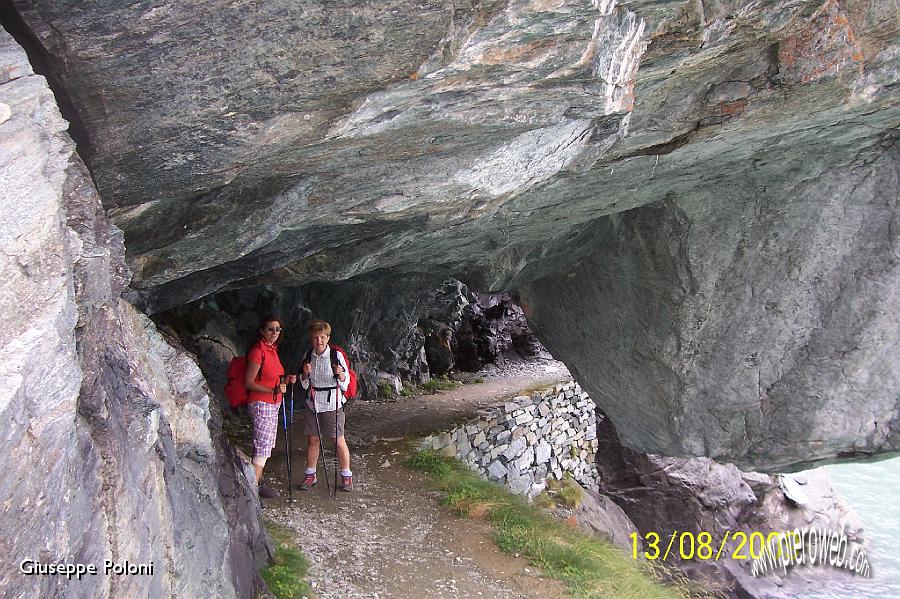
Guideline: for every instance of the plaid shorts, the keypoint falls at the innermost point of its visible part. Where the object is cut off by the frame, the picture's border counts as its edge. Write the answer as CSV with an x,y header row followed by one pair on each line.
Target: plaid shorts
x,y
265,427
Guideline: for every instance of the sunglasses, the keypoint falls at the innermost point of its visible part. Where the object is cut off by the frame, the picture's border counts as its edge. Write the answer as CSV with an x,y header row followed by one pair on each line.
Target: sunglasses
x,y
274,329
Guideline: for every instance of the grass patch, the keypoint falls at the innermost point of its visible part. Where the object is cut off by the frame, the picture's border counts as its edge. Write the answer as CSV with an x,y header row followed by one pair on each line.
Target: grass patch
x,y
590,566
385,390
441,383
286,578
565,492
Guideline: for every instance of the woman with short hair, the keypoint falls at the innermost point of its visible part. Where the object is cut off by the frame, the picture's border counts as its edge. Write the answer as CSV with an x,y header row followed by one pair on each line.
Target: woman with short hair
x,y
324,374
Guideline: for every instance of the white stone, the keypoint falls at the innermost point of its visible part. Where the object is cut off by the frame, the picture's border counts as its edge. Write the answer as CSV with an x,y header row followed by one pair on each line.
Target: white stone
x,y
526,460
496,470
542,453
523,418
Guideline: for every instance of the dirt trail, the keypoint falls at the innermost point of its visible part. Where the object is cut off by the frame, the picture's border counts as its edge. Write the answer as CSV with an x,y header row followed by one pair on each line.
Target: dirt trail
x,y
390,537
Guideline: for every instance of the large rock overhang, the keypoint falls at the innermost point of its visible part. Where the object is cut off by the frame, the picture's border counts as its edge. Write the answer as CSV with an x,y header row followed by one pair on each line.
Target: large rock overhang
x,y
696,201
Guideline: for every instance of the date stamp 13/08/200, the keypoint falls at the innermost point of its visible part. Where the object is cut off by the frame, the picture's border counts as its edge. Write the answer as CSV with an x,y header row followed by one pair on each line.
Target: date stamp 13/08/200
x,y
770,551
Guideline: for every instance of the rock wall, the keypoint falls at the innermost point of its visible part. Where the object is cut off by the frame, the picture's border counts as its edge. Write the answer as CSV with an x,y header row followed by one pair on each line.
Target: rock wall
x,y
113,451
466,330
693,495
756,325
528,439
410,327
697,200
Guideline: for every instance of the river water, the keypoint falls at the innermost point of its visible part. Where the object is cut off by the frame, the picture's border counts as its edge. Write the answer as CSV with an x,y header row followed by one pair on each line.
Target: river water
x,y
873,491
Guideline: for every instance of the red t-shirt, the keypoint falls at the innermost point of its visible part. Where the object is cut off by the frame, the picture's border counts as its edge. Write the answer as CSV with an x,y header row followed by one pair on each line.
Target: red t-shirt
x,y
267,355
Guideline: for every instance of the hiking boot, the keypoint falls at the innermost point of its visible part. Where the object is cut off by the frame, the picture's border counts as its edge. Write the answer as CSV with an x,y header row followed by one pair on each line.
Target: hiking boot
x,y
346,483
307,483
266,492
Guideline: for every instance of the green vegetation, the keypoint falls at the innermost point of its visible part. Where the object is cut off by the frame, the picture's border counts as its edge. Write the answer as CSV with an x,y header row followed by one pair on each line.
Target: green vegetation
x,y
590,566
565,492
441,383
286,577
385,390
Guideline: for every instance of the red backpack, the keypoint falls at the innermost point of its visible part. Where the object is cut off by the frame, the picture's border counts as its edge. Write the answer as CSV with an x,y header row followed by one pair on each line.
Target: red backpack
x,y
235,389
352,386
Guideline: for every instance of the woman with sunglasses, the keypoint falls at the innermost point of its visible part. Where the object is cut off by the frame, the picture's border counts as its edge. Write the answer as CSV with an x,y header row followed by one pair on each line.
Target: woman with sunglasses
x,y
265,388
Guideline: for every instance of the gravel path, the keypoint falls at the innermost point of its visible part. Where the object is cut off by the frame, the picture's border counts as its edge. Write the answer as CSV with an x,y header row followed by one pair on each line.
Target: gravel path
x,y
390,537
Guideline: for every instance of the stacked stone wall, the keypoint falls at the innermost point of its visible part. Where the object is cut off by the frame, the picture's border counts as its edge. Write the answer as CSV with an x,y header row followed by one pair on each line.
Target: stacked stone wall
x,y
527,440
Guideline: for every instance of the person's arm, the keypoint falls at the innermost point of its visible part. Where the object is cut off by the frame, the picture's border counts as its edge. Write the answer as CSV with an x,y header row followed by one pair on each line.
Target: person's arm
x,y
250,379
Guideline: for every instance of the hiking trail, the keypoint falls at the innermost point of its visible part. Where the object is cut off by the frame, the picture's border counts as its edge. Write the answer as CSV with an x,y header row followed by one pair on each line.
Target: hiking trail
x,y
390,537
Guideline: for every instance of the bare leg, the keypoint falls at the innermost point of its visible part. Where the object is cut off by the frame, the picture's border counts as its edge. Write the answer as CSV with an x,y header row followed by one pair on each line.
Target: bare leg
x,y
312,451
343,453
258,465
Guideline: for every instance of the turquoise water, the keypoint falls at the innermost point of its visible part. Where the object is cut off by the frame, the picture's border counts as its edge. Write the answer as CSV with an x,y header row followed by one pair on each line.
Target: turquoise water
x,y
873,491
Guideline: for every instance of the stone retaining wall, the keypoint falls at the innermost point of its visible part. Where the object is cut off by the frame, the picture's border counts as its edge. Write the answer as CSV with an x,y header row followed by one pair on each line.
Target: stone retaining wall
x,y
528,439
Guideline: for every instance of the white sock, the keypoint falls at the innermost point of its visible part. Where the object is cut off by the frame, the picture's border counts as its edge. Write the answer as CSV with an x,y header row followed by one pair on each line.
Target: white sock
x,y
310,471
346,472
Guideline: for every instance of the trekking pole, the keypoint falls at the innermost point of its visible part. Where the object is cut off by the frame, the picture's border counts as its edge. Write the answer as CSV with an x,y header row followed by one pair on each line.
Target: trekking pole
x,y
287,437
337,399
321,446
290,440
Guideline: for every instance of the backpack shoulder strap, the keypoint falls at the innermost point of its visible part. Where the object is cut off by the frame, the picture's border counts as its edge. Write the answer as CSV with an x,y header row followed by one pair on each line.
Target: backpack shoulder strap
x,y
262,363
334,358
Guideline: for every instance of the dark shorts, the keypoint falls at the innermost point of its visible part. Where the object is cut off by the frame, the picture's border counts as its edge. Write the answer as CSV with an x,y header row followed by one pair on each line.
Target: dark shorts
x,y
326,422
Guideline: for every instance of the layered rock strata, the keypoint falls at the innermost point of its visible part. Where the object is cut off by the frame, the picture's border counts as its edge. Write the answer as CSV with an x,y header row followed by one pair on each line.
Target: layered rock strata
x,y
113,451
529,439
702,196
768,328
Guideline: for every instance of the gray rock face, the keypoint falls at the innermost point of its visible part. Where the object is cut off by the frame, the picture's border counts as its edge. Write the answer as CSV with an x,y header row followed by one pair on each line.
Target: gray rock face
x,y
665,495
112,451
749,334
599,515
697,202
